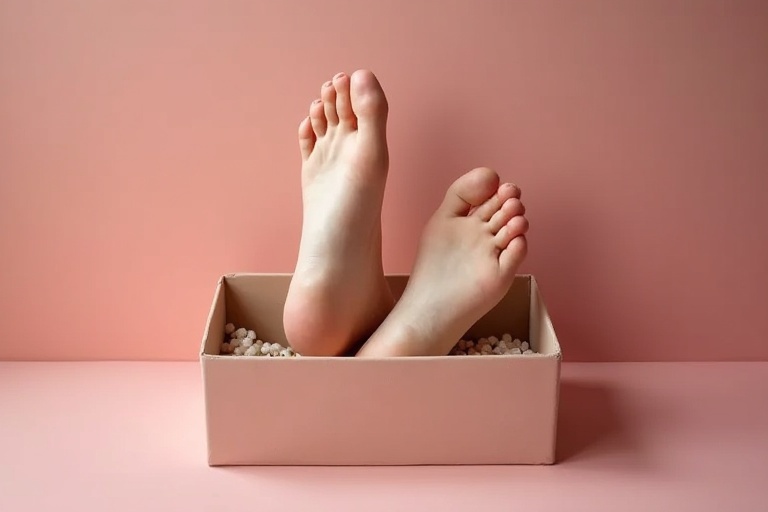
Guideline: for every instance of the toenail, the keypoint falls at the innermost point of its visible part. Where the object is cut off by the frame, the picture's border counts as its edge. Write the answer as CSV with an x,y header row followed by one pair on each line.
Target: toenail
x,y
327,84
316,102
338,75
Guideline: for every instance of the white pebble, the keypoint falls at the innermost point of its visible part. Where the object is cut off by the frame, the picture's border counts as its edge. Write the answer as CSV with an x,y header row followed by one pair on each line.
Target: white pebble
x,y
486,349
515,351
274,349
239,351
498,351
482,341
529,351
290,352
493,340
462,345
247,342
251,351
284,353
471,351
234,343
229,328
524,346
460,353
516,343
250,334
470,344
265,348
507,338
241,332
224,348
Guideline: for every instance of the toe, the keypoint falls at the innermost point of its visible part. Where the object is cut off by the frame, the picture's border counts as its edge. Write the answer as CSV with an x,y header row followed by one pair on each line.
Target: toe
x,y
512,256
328,95
317,118
471,189
369,103
306,138
517,226
511,207
343,101
486,210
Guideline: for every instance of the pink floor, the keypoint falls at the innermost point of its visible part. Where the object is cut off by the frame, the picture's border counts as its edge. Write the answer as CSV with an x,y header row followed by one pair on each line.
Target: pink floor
x,y
130,436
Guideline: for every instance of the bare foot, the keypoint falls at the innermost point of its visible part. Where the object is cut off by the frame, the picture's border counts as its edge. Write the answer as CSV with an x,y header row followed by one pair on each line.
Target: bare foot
x,y
468,256
338,294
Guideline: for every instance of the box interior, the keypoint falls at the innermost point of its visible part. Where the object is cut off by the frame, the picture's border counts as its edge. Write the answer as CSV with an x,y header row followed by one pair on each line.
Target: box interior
x,y
255,301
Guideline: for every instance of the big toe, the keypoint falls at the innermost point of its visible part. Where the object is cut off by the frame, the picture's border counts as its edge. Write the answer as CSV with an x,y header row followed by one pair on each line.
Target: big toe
x,y
369,102
471,189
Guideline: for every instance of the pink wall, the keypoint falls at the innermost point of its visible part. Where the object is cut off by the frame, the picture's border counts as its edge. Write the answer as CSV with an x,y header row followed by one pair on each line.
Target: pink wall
x,y
148,147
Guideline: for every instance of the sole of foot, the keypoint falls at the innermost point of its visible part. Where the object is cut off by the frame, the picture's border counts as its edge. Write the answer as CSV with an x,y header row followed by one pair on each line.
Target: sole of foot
x,y
469,253
338,294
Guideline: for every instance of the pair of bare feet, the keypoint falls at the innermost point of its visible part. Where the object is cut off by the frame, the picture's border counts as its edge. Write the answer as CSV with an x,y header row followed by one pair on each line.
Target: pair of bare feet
x,y
338,297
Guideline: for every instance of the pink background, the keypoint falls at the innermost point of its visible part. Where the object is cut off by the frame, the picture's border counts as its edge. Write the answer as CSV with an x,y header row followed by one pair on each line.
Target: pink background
x,y
148,147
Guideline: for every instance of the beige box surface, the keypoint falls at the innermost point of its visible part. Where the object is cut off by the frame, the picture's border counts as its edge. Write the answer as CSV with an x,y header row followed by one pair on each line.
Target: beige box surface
x,y
499,409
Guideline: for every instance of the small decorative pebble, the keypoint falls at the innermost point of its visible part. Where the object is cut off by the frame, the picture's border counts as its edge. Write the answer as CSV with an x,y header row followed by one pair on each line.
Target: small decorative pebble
x,y
244,342
492,346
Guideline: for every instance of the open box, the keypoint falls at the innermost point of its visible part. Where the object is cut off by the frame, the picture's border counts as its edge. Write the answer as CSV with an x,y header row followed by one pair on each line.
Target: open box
x,y
499,409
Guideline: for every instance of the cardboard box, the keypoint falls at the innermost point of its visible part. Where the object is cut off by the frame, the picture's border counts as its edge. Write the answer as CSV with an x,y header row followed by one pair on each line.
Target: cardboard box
x,y
388,411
